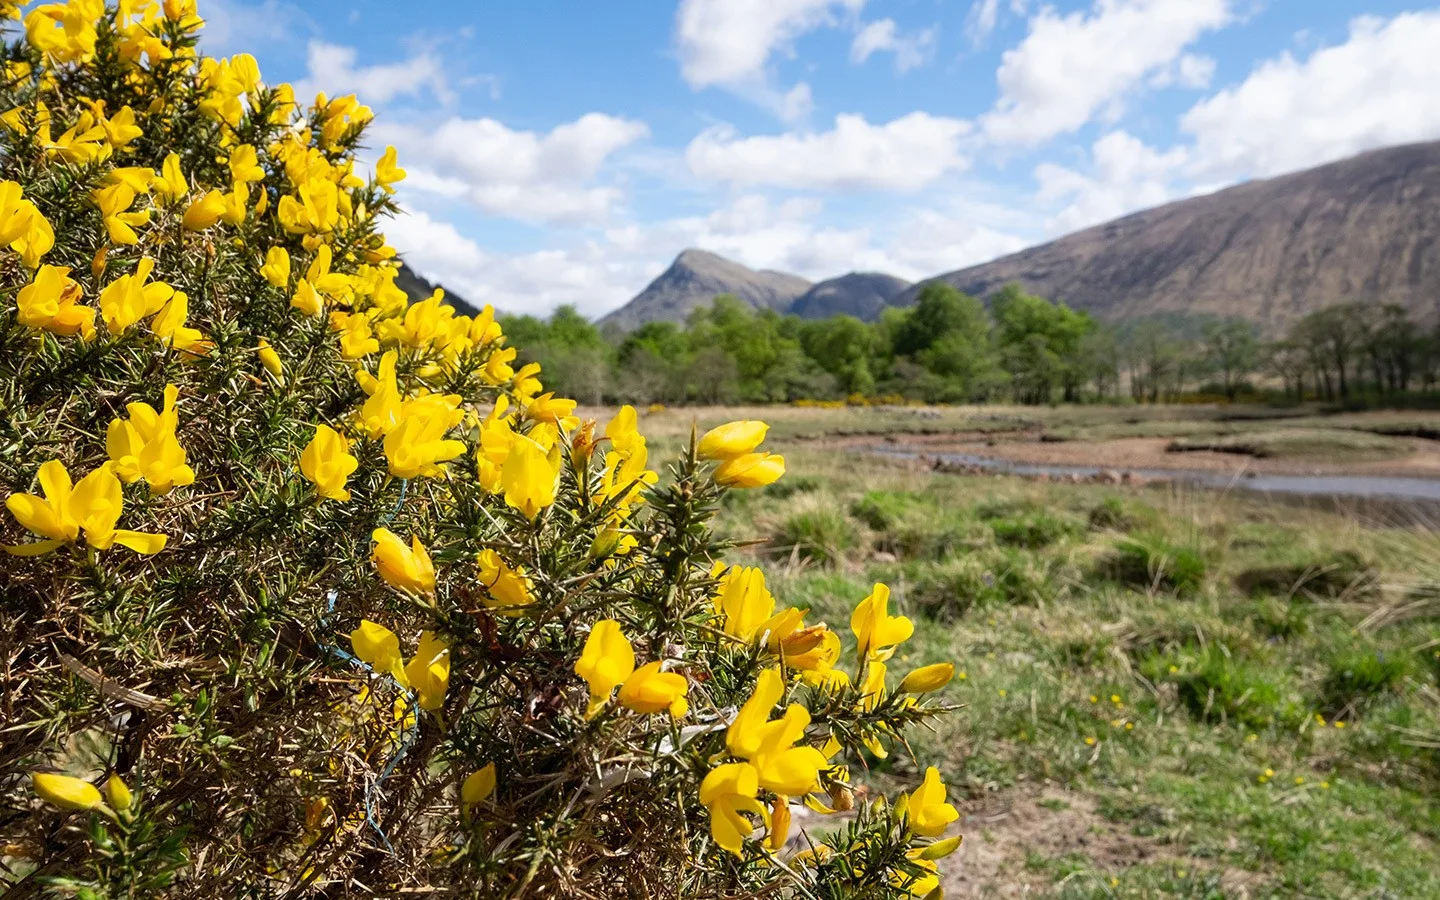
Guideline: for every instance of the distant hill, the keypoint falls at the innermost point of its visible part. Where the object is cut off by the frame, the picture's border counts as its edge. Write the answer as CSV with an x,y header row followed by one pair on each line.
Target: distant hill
x,y
694,279
418,288
1365,228
859,294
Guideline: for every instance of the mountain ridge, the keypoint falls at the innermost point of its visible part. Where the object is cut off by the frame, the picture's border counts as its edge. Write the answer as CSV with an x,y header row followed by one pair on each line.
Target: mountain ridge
x,y
694,279
1364,228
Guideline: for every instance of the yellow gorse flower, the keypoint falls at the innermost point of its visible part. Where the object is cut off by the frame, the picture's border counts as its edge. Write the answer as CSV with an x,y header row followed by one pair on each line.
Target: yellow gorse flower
x,y
728,792
649,690
93,506
327,463
927,811
130,298
276,269
145,446
50,302
270,359
416,446
529,477
429,671
387,172
876,631
22,227
379,647
743,603
769,745
204,211
606,661
507,590
402,567
477,788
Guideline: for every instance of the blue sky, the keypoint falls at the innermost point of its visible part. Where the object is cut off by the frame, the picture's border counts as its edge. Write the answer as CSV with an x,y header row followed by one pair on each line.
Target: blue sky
x,y
564,152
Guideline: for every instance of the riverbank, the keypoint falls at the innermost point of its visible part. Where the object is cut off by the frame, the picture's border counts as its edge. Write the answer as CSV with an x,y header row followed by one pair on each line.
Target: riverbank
x,y
1407,457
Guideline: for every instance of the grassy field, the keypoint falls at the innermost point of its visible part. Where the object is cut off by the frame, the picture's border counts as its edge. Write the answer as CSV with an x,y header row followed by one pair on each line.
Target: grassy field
x,y
1166,693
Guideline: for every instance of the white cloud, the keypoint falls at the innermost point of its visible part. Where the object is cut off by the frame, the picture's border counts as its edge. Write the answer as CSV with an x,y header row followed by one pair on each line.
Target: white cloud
x,y
332,69
882,36
1125,175
1069,67
600,274
586,275
980,22
729,44
1375,89
520,174
905,154
1195,71
235,26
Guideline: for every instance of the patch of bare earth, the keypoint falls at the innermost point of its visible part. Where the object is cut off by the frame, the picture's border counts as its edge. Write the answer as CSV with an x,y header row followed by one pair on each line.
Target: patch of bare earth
x,y
999,836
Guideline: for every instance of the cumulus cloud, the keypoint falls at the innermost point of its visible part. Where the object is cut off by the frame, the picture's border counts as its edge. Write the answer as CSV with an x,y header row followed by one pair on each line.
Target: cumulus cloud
x,y
1124,175
729,44
585,275
524,175
1069,67
332,69
905,154
883,36
1376,88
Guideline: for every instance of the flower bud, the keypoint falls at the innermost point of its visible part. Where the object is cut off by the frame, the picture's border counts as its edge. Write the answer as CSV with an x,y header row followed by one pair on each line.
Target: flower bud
x,y
117,793
928,678
732,440
750,471
477,788
66,792
942,849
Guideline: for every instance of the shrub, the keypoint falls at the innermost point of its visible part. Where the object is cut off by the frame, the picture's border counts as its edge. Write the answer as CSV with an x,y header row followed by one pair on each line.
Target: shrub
x,y
360,629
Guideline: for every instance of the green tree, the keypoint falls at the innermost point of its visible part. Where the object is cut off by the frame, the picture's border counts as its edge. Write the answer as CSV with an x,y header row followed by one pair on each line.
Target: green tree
x,y
1232,351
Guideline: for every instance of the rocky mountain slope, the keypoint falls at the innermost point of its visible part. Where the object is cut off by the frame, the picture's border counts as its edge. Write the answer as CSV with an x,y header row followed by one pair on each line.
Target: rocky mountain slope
x,y
1365,229
694,279
859,294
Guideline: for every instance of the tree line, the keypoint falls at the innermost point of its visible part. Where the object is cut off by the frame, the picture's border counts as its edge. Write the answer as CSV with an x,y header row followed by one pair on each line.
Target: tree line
x,y
949,347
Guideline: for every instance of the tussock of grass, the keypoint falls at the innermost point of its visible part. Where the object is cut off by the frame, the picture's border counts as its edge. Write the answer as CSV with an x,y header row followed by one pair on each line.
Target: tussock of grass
x,y
1153,562
1358,677
818,531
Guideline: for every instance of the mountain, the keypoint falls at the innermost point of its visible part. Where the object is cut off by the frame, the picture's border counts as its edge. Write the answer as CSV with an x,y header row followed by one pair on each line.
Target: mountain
x,y
418,288
1365,228
694,279
859,294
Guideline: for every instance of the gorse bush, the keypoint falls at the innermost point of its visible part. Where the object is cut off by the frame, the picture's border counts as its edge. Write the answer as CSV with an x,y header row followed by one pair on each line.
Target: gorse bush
x,y
329,596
